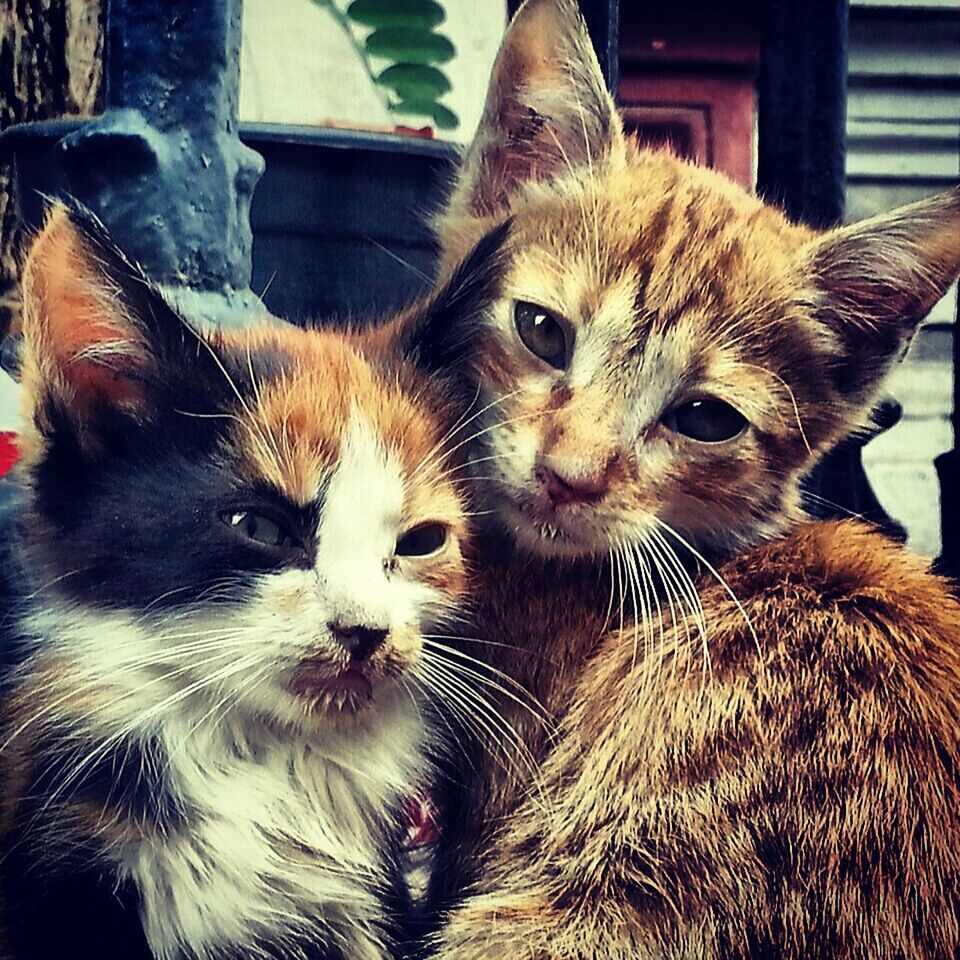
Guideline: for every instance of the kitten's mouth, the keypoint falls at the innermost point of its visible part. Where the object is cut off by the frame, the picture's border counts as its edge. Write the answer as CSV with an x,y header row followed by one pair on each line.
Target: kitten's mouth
x,y
547,523
349,689
548,531
568,531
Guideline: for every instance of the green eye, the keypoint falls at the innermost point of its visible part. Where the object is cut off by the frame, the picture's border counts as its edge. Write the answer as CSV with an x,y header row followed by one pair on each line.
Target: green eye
x,y
260,529
708,421
543,334
421,541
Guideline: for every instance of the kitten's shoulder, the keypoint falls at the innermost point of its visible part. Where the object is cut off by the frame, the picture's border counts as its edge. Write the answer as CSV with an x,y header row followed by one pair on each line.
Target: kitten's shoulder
x,y
832,588
839,563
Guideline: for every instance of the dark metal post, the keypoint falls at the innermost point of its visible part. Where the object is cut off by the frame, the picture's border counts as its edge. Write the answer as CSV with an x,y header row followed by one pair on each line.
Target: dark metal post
x,y
802,94
948,470
163,167
603,22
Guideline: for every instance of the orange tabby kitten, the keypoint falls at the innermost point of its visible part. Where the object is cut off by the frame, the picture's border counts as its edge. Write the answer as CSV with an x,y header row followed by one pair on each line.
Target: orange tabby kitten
x,y
760,759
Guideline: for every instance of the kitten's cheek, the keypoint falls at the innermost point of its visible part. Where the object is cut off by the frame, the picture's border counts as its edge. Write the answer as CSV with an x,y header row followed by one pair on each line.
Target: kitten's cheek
x,y
292,602
405,647
516,449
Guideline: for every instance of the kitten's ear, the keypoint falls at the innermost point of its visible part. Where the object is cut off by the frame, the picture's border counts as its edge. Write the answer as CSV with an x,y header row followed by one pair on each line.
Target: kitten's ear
x,y
440,334
875,281
96,334
547,110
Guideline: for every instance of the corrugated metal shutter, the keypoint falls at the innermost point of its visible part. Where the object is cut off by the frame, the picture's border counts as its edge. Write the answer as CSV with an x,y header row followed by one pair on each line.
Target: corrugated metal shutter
x,y
903,130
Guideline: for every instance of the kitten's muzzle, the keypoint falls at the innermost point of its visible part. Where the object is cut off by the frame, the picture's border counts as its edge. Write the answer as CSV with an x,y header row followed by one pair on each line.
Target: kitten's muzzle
x,y
360,642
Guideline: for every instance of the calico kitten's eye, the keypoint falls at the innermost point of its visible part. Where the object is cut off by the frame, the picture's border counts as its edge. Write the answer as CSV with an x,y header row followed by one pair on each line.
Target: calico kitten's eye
x,y
421,541
709,421
543,334
261,529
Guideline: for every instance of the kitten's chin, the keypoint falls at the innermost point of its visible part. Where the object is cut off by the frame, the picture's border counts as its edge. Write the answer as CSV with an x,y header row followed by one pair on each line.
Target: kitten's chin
x,y
554,537
548,540
343,693
345,700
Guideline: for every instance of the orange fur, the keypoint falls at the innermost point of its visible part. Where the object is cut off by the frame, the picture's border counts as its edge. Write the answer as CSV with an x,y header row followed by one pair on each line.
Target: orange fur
x,y
771,775
791,789
74,325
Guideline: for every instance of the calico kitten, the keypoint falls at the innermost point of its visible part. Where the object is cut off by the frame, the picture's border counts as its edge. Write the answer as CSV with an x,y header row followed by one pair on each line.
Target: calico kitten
x,y
761,758
229,550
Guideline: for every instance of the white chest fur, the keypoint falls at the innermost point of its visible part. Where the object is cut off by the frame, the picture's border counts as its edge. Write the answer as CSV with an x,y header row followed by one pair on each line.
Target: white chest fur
x,y
283,837
283,832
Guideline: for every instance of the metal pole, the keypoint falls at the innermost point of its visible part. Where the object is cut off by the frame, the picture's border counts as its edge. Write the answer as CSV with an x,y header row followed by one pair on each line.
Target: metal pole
x,y
948,470
163,166
802,94
603,22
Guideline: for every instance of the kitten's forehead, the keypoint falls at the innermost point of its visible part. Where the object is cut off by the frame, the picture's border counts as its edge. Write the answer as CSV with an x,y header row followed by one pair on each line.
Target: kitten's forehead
x,y
680,236
364,506
296,424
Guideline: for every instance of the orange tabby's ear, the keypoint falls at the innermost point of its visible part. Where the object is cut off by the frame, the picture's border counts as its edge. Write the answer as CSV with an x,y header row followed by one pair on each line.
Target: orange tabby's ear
x,y
875,281
547,110
93,328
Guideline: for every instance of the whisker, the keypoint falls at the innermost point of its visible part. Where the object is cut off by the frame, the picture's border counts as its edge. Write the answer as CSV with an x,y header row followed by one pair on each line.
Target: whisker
x,y
476,713
491,643
531,704
716,574
485,713
438,451
495,426
398,259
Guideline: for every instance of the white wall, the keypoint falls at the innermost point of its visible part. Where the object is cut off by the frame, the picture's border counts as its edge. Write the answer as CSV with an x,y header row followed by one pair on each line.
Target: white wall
x,y
903,143
297,66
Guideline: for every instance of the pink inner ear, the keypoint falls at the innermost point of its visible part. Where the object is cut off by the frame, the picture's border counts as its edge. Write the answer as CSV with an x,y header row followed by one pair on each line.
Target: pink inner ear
x,y
529,152
75,322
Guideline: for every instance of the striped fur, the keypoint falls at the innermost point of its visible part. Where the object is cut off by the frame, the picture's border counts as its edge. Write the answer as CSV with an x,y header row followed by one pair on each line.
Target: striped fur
x,y
751,738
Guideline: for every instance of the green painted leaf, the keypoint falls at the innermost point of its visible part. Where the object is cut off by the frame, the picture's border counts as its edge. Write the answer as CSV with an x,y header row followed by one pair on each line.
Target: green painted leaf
x,y
414,81
443,117
396,13
408,45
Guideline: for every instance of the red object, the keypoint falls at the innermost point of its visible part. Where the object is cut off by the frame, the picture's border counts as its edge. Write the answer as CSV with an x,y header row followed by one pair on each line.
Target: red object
x,y
687,78
421,822
8,452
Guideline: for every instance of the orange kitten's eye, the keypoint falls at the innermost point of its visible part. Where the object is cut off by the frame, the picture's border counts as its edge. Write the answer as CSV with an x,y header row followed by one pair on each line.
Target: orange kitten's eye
x,y
543,334
709,421
421,541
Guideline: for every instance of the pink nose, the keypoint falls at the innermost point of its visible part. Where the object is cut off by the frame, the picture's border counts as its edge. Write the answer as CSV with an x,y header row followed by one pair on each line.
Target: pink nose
x,y
561,490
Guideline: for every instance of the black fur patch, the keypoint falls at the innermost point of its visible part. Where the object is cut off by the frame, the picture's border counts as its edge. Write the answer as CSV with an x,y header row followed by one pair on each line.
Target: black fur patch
x,y
61,896
442,335
76,911
131,780
145,527
135,519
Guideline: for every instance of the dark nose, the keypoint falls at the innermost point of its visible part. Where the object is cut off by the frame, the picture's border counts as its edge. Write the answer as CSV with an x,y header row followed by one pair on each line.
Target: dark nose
x,y
359,642
561,490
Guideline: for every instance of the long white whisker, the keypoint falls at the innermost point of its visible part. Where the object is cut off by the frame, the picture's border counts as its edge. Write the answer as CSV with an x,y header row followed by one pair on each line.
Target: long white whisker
x,y
716,574
531,705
